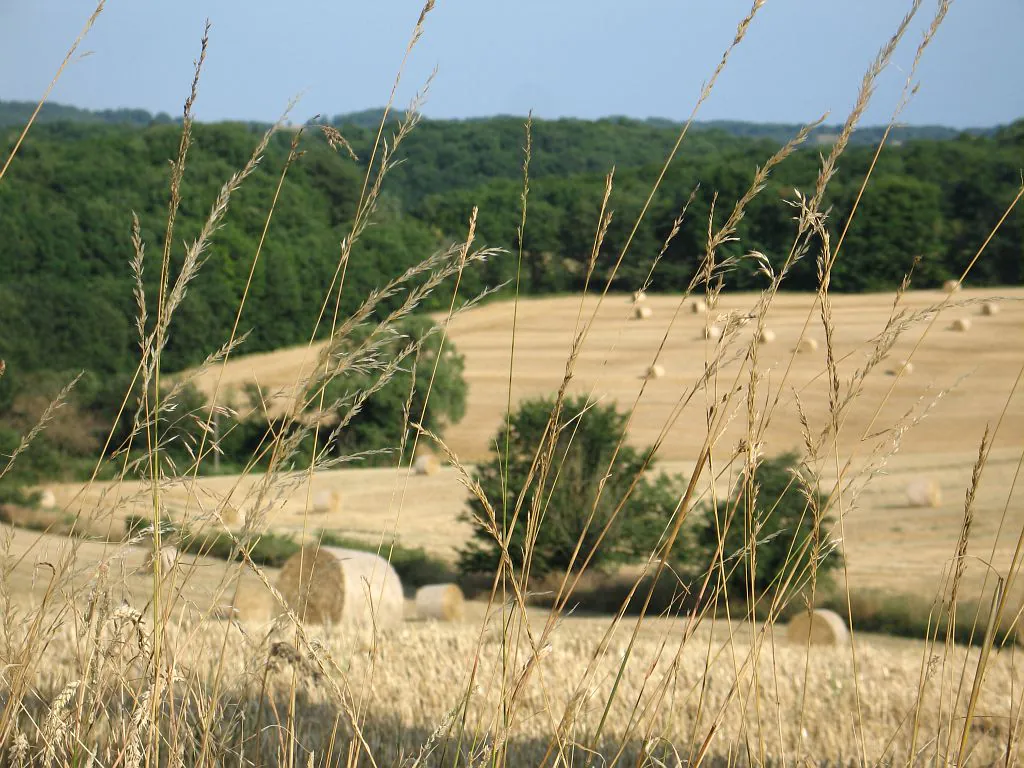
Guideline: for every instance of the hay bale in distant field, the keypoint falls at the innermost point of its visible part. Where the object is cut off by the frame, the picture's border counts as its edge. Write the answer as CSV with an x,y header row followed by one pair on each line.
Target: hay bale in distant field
x,y
961,324
698,305
639,297
766,336
47,499
441,602
168,557
232,516
655,372
334,586
642,312
924,493
819,627
951,286
712,332
806,345
904,367
326,503
426,464
989,308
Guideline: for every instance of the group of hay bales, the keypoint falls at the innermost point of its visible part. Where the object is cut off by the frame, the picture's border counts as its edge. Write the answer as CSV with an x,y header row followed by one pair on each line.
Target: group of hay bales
x,y
345,589
963,324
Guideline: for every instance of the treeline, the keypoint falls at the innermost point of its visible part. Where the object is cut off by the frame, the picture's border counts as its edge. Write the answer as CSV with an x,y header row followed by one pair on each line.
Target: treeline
x,y
66,206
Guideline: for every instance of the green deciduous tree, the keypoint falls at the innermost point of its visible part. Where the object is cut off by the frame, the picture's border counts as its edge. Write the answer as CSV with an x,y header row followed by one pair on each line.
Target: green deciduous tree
x,y
587,490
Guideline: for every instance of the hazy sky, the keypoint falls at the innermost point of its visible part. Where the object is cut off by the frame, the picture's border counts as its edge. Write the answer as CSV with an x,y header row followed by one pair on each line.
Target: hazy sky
x,y
582,58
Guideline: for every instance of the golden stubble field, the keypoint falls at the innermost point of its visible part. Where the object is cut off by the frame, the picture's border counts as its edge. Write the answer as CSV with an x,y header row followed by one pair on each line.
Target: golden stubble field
x,y
887,542
742,687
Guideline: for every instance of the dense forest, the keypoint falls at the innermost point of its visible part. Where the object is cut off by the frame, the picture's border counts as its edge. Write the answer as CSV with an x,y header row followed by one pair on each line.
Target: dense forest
x,y
66,205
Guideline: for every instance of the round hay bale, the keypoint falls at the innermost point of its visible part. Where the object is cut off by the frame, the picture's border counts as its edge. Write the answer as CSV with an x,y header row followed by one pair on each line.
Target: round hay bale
x,y
426,464
766,336
989,308
251,601
819,627
642,312
639,296
334,586
655,372
440,602
168,557
961,324
326,502
712,332
807,345
232,516
698,305
924,493
47,499
951,286
903,366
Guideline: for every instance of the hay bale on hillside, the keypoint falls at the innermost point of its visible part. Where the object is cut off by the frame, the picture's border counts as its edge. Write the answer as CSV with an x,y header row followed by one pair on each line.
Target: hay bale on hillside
x,y
924,493
426,464
47,499
989,308
167,557
712,332
642,312
806,345
904,367
326,503
655,372
961,324
766,336
951,286
334,586
639,297
818,627
232,516
440,602
697,306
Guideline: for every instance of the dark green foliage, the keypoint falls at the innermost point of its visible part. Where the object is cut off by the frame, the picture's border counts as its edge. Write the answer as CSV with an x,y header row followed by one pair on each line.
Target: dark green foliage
x,y
582,457
414,566
773,511
379,422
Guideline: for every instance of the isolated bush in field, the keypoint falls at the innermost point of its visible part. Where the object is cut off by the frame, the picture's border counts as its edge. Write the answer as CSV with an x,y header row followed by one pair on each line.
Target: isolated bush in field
x,y
565,497
782,527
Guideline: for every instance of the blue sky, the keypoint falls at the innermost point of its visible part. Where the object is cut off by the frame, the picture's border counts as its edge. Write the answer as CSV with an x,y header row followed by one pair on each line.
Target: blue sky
x,y
579,58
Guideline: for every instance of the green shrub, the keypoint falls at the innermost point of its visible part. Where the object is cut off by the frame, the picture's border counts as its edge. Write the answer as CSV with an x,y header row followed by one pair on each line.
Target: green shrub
x,y
783,525
583,465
